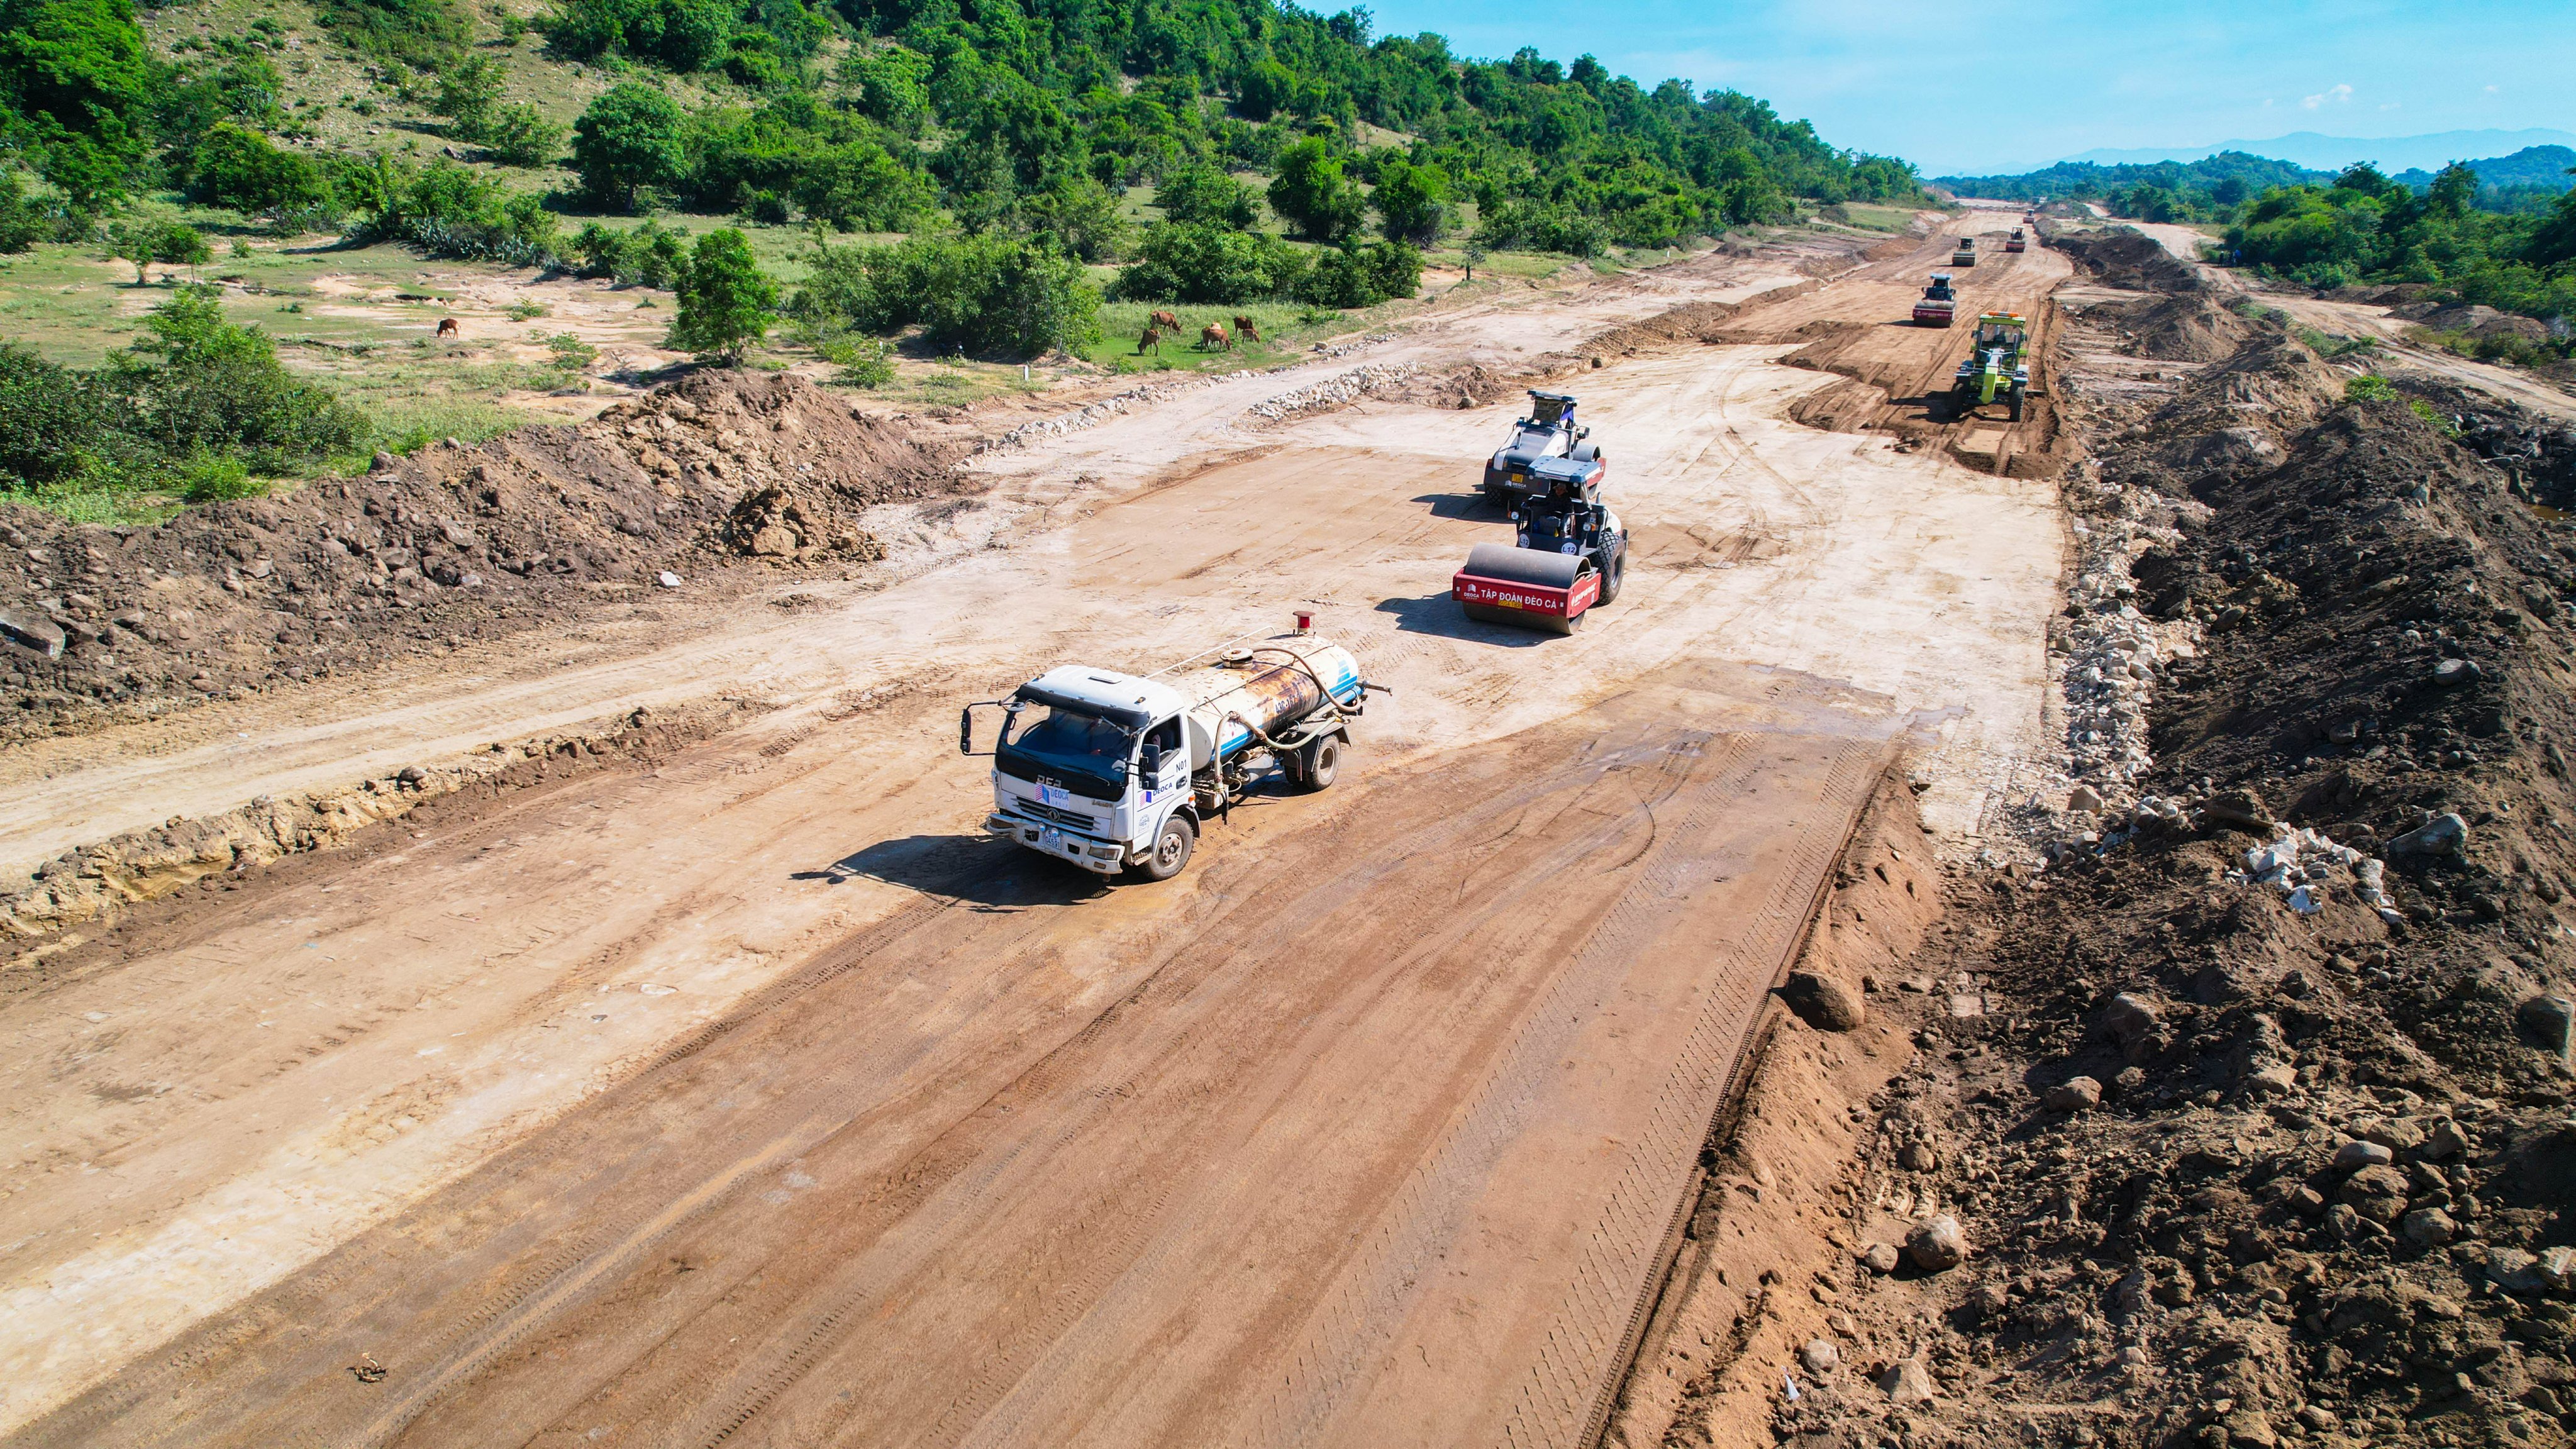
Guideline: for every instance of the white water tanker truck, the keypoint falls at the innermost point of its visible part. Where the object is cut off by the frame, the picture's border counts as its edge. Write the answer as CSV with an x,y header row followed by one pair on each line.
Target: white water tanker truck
x,y
1117,772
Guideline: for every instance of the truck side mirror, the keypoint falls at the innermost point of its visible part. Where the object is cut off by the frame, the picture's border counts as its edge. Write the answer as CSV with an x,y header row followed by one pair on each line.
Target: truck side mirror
x,y
1153,761
966,730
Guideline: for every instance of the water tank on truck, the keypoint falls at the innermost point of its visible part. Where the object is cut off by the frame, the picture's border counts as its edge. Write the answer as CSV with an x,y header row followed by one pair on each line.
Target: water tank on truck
x,y
1118,772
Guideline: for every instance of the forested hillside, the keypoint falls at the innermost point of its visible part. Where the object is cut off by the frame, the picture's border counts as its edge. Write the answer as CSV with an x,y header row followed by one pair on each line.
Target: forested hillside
x,y
2225,179
883,115
956,179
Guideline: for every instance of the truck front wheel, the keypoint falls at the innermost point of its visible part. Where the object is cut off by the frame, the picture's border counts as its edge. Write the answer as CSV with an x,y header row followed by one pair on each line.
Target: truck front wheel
x,y
1323,760
1172,849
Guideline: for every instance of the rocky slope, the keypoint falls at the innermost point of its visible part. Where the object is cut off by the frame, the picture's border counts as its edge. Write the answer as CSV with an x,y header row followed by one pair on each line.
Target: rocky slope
x,y
2244,1119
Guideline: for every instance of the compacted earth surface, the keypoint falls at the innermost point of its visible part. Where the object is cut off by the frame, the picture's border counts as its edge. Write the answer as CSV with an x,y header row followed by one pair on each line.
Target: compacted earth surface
x,y
2039,931
572,1004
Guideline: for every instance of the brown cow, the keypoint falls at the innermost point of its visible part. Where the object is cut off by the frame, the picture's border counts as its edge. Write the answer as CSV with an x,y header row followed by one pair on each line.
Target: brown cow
x,y
447,327
1243,328
1166,321
1153,338
1213,335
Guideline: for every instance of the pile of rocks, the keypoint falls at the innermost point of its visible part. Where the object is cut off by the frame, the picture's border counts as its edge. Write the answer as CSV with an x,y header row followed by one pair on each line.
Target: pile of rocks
x,y
1332,392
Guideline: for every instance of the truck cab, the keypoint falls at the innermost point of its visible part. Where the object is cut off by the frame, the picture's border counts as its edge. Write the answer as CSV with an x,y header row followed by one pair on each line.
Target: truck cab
x,y
1117,772
1089,762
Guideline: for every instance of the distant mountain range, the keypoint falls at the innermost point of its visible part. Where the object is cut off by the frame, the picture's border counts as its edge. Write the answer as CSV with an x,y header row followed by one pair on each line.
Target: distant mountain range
x,y
2529,178
2391,154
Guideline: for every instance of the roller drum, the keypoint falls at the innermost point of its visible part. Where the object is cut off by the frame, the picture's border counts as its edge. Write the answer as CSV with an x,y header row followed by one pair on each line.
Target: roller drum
x,y
1506,564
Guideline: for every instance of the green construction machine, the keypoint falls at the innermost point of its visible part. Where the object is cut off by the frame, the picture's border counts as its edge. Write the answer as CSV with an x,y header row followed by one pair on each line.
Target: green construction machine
x,y
1998,365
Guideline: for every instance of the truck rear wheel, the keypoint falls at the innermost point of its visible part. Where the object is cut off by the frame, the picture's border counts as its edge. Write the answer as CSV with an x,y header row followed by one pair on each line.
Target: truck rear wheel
x,y
1171,851
1319,763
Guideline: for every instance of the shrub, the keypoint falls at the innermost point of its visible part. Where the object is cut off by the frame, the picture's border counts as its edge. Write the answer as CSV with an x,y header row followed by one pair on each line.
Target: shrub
x,y
200,384
725,299
1081,215
1207,196
520,135
1412,201
54,422
22,222
240,168
1195,262
598,251
1362,276
1521,225
867,363
422,32
686,35
2369,387
989,293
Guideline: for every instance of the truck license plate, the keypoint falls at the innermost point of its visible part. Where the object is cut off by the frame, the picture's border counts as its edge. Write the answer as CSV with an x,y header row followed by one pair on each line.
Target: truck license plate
x,y
1050,838
1055,795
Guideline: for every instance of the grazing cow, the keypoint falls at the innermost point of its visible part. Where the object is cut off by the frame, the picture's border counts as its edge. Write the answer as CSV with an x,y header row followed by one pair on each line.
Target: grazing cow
x,y
447,327
1213,335
1244,329
1153,338
1166,321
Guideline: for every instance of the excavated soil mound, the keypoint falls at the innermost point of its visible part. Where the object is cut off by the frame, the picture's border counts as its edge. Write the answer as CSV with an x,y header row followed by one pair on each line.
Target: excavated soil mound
x,y
2187,327
2258,1167
451,544
2121,257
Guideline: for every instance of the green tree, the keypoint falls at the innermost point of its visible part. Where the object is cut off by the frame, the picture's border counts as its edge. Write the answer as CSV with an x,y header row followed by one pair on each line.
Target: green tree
x,y
237,167
1412,201
520,135
1362,276
1200,262
628,139
468,91
988,293
725,299
1082,216
858,186
1266,89
1205,194
2453,192
22,222
1312,193
76,90
200,384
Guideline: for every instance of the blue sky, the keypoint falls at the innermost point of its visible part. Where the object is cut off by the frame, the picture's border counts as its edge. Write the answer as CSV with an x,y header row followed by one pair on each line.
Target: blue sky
x,y
1980,86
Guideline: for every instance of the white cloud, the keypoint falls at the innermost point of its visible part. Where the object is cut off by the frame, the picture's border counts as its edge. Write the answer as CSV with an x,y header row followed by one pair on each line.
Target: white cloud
x,y
2390,105
2493,90
2339,95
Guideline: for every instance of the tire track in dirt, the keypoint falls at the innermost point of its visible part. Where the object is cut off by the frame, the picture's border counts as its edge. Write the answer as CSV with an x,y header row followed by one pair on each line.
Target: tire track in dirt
x,y
1105,1176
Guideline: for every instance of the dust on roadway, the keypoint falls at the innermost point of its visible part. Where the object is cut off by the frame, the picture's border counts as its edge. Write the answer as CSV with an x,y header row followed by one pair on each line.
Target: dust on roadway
x,y
1398,1077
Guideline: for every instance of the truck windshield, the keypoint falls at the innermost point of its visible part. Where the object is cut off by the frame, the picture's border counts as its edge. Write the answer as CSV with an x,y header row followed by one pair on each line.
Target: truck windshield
x,y
1086,753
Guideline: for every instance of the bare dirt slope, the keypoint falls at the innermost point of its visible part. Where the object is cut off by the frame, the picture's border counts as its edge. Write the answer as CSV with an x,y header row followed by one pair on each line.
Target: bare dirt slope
x,y
2238,1116
2396,356
512,1042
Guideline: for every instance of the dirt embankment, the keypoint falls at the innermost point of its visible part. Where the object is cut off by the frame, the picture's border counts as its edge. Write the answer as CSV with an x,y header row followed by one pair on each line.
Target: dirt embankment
x,y
2246,1121
73,897
2122,257
453,543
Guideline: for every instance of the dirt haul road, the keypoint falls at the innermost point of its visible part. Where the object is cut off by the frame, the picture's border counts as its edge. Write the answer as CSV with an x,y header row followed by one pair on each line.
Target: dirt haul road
x,y
752,1096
